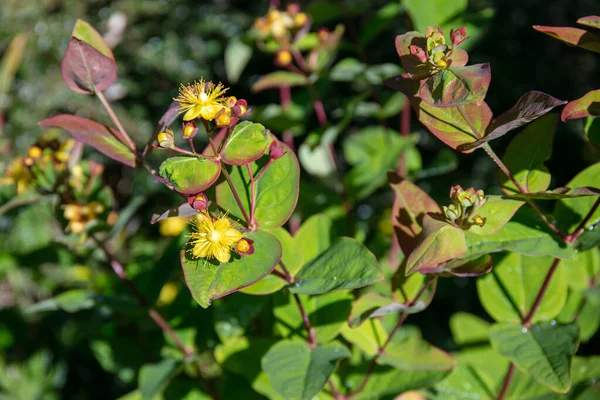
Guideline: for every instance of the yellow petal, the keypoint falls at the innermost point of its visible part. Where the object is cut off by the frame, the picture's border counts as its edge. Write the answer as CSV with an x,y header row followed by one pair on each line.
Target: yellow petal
x,y
192,113
230,237
222,253
201,249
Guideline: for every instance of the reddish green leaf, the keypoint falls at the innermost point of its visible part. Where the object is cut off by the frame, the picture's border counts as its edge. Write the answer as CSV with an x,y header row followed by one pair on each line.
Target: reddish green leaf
x,y
190,175
467,267
526,154
440,242
246,143
456,86
586,106
99,136
573,36
411,204
593,21
558,193
458,58
280,78
209,280
86,33
415,69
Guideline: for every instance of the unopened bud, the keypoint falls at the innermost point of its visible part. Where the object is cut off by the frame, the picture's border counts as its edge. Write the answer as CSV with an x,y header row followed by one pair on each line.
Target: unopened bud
x,y
478,220
323,34
245,247
276,150
240,108
300,19
458,36
165,139
71,212
418,52
189,130
198,202
293,8
223,120
451,212
283,58
34,152
231,101
76,226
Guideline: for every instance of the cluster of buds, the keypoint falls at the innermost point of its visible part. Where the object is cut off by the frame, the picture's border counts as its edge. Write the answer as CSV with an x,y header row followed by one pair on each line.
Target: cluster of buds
x,y
43,161
436,54
464,205
281,24
80,215
230,114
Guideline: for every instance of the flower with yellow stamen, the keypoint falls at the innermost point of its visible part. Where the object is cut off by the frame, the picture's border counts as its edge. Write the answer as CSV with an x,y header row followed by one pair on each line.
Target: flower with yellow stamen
x,y
213,238
18,173
201,99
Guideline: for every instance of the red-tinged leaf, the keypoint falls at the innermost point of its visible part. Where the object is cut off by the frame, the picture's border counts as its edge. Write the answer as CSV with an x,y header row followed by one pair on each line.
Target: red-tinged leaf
x,y
469,267
440,242
457,86
183,210
170,115
86,33
403,84
529,107
99,136
586,106
450,126
415,69
85,68
593,21
411,204
458,58
573,36
280,78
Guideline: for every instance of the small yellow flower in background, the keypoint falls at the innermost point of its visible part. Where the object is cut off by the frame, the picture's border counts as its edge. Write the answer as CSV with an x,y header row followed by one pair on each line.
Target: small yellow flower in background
x,y
17,173
168,293
172,226
201,99
213,239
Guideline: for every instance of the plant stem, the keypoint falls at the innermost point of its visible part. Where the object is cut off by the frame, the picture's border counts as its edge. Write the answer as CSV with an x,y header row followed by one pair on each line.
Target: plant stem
x,y
118,269
123,136
191,142
507,380
581,227
262,171
540,295
235,195
312,341
286,272
398,325
252,195
285,97
183,151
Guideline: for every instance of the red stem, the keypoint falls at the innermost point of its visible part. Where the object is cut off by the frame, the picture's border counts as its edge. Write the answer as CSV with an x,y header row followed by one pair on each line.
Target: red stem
x,y
540,295
581,227
312,341
252,197
122,134
507,380
285,97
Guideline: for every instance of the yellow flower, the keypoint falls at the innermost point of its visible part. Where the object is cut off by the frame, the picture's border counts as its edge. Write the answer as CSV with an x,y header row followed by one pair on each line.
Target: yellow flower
x,y
172,226
18,173
201,99
213,239
168,293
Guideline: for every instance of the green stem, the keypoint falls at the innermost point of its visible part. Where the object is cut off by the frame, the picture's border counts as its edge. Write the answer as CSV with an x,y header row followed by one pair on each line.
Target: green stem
x,y
252,197
122,134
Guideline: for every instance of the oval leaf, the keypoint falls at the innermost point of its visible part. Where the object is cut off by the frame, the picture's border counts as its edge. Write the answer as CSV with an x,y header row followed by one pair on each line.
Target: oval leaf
x,y
279,79
85,69
415,354
190,175
586,106
457,86
573,36
208,281
593,21
544,351
276,190
347,264
99,136
246,143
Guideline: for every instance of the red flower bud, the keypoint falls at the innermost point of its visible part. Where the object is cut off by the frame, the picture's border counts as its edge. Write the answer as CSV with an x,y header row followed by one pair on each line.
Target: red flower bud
x,y
189,129
458,36
276,150
418,52
199,202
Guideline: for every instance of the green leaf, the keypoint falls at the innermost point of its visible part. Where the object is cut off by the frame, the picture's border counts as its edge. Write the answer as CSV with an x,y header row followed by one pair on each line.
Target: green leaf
x,y
372,305
570,212
70,301
457,86
558,193
426,13
314,236
278,79
208,281
347,264
582,270
237,55
190,175
582,311
86,33
246,143
276,190
373,151
592,130
465,382
347,70
468,329
586,106
509,291
327,314
593,21
99,136
573,36
544,351
368,337
440,242
526,154
497,212
523,234
296,371
153,377
416,354
411,204
291,258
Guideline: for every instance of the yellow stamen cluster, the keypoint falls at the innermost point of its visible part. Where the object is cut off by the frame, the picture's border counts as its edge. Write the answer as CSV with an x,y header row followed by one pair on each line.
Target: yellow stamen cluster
x,y
213,238
280,24
79,215
465,203
201,99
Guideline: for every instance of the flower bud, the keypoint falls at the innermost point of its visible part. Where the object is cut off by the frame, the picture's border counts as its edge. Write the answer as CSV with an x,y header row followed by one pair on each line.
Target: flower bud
x,y
418,52
479,199
276,150
189,130
224,118
293,8
231,101
283,58
165,139
451,212
458,36
240,108
198,202
478,220
34,152
300,19
245,247
71,212
76,226
323,34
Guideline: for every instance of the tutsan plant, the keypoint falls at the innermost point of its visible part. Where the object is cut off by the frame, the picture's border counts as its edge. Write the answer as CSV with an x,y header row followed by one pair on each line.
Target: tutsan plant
x,y
317,313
